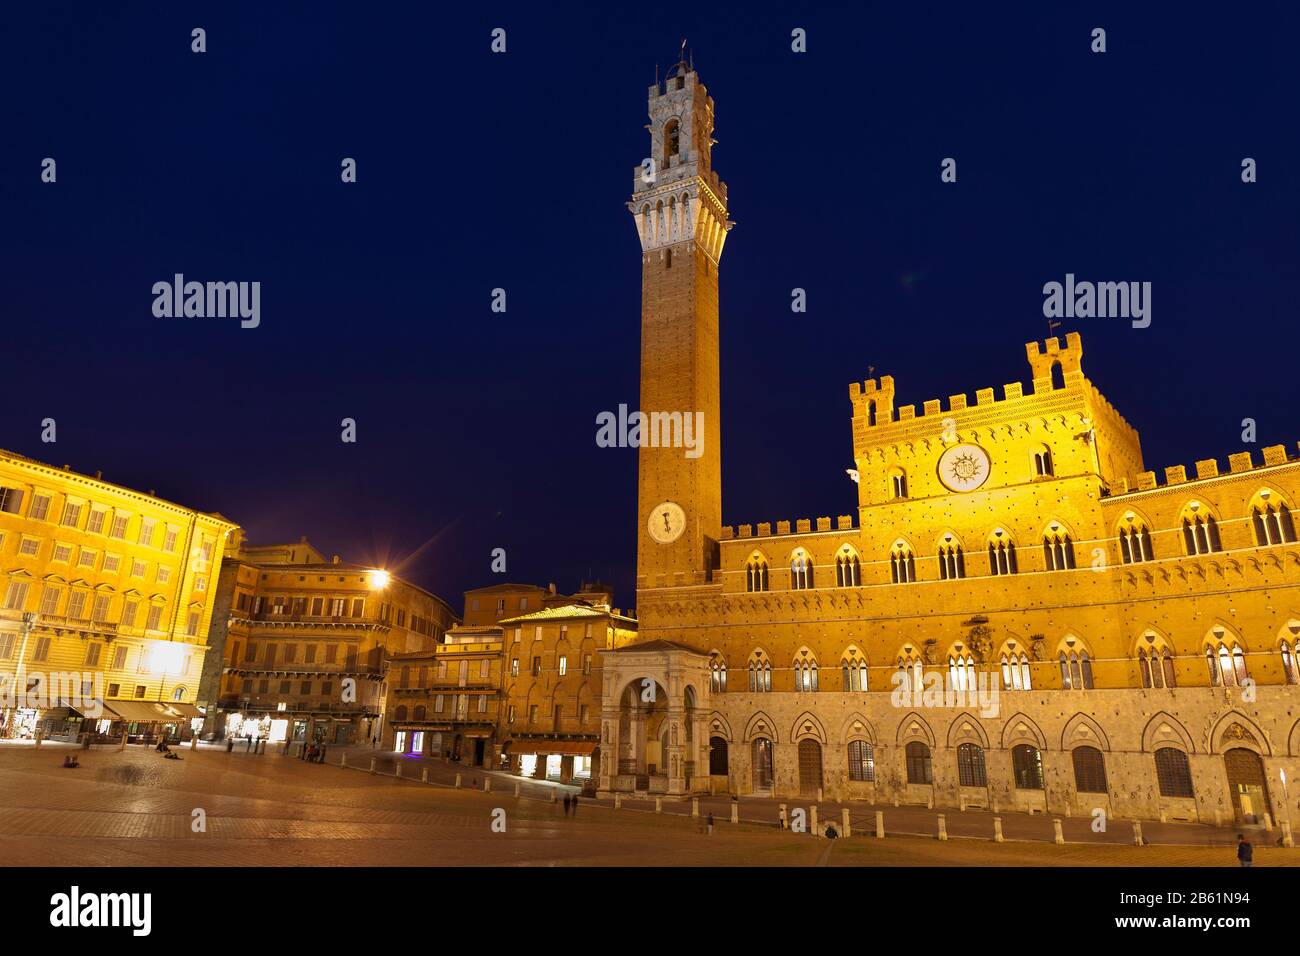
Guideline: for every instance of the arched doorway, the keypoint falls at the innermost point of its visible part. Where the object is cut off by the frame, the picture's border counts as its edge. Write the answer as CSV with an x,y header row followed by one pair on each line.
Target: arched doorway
x,y
810,767
1246,784
717,757
644,733
762,769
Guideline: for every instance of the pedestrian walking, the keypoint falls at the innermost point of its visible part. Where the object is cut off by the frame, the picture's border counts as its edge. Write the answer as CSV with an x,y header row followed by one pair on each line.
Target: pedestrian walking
x,y
710,825
781,814
1245,852
575,804
567,801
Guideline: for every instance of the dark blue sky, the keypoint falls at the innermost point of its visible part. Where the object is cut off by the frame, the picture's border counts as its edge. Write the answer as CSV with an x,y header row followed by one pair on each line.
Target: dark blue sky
x,y
477,171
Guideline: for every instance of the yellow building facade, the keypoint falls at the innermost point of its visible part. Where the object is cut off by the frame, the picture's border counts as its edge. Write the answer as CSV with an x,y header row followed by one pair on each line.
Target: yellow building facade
x,y
305,642
1017,613
106,607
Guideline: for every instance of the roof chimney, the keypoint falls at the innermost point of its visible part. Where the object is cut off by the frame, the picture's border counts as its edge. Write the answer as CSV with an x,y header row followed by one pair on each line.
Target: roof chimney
x,y
336,559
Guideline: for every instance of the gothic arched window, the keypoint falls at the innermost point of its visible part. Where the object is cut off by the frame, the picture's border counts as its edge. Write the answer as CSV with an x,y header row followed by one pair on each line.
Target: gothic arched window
x,y
756,573
1058,549
801,571
902,565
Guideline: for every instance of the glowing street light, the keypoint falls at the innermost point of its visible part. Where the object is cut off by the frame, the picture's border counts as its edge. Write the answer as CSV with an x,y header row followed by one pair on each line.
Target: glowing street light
x,y
379,579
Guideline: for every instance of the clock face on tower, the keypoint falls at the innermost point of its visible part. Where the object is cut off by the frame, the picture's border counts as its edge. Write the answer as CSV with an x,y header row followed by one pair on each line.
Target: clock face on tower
x,y
667,522
964,467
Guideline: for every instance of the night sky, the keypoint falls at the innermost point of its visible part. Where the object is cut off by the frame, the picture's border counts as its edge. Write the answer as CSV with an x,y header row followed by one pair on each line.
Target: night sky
x,y
477,430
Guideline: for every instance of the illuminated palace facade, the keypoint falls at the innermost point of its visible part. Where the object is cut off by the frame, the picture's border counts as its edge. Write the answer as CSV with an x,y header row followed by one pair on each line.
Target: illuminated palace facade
x,y
1139,630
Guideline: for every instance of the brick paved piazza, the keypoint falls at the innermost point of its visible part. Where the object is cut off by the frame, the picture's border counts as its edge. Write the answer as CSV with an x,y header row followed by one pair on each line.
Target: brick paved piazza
x,y
134,808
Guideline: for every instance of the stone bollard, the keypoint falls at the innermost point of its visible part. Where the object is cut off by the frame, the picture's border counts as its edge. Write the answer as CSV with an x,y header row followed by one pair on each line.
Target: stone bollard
x,y
487,784
735,811
812,821
880,825
943,827
844,815
122,745
1218,816
555,796
1058,835
519,788
397,770
961,802
457,781
194,742
1287,839
695,806
994,806
372,764
659,804
819,795
1162,815
997,829
344,762
424,775
895,799
1268,821
618,801
1137,833
37,740
929,802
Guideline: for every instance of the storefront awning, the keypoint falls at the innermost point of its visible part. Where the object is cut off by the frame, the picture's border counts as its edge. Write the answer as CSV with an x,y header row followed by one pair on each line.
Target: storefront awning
x,y
188,711
583,748
138,711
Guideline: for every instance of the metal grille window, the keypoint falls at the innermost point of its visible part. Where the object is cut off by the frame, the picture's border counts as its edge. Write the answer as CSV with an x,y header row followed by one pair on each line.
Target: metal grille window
x,y
970,766
918,763
1089,770
1027,767
1173,773
862,761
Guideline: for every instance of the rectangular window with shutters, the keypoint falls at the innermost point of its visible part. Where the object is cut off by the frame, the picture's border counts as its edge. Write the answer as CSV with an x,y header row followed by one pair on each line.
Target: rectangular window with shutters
x,y
309,654
164,574
114,690
63,553
146,532
11,500
484,669
111,563
50,599
331,653
358,607
169,540
263,686
16,596
7,642
583,711
250,654
77,605
129,609
140,690
317,607
482,703
71,514
100,612
87,558
118,528
42,649
514,667
290,653
40,508
284,686
153,621
119,659
192,628
510,714
532,713
29,546
92,653
564,665
95,523
138,568
537,666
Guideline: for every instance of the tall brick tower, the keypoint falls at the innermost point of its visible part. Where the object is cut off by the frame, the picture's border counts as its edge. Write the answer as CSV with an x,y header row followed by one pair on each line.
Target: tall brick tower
x,y
680,208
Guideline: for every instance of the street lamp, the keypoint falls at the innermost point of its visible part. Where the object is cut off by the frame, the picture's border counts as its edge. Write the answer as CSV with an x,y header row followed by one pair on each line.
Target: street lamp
x,y
379,579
